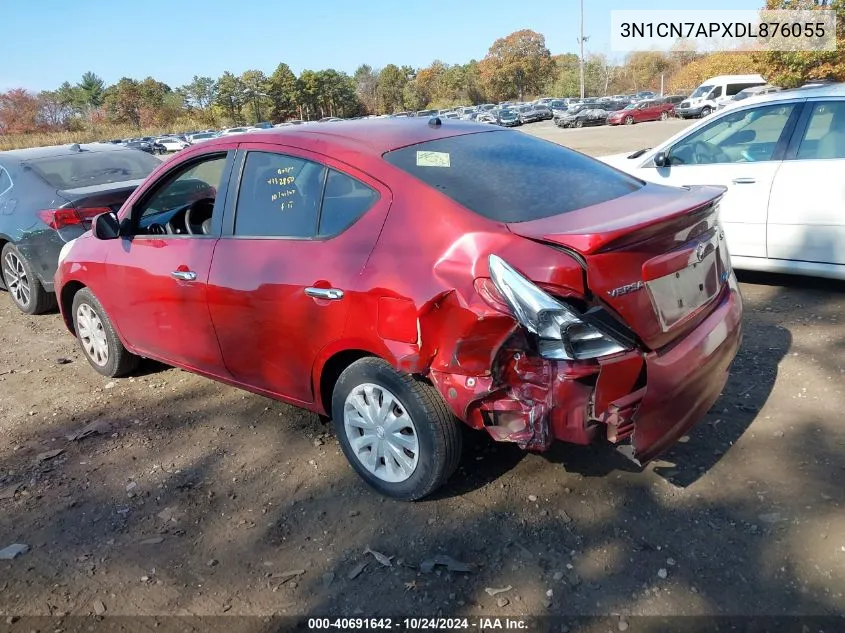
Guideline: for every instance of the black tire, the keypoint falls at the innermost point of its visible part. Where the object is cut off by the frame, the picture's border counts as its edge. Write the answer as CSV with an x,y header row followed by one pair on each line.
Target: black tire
x,y
579,123
664,116
705,111
23,284
629,120
438,431
120,361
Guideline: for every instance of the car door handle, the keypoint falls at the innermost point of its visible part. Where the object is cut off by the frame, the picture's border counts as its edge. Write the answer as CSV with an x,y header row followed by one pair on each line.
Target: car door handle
x,y
324,293
743,181
184,275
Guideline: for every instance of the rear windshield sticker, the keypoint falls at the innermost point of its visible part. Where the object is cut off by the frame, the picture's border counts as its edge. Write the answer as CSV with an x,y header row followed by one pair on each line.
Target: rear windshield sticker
x,y
433,159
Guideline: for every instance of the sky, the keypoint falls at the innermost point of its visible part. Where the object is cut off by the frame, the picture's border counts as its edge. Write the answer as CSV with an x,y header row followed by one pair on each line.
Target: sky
x,y
46,42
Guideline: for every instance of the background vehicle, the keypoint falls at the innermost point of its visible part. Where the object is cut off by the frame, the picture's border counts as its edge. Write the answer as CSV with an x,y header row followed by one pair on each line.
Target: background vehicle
x,y
202,136
138,144
706,98
527,114
544,113
754,91
508,118
649,110
235,130
781,157
584,116
48,196
173,144
528,262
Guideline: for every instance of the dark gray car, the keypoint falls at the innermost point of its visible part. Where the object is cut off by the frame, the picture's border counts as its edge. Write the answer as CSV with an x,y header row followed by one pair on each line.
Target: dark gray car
x,y
48,197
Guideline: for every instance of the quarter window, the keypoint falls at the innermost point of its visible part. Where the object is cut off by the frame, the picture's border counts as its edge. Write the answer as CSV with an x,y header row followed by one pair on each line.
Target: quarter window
x,y
279,196
744,136
344,201
825,135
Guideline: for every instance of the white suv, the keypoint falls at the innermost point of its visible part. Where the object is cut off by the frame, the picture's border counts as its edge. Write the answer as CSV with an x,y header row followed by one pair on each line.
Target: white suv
x,y
781,157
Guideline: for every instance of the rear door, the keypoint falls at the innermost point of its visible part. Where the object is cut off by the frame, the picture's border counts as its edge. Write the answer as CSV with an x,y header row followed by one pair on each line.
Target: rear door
x,y
807,206
283,278
740,150
158,275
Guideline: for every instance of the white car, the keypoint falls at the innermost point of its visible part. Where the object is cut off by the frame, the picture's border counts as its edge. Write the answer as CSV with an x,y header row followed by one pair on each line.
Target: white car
x,y
202,136
781,157
172,144
233,130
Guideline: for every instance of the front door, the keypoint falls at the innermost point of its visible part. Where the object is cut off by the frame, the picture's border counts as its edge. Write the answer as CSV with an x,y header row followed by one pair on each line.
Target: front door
x,y
741,151
159,274
283,278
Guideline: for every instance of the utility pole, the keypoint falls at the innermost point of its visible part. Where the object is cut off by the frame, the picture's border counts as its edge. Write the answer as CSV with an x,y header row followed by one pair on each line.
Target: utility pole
x,y
581,41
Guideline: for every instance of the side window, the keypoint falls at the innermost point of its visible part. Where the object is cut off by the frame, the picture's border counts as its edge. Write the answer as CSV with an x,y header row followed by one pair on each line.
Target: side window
x,y
716,93
748,135
5,181
344,201
166,210
279,196
825,135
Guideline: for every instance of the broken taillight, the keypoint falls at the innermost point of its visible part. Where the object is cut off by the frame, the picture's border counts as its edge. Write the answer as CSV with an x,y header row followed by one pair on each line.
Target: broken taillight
x,y
559,332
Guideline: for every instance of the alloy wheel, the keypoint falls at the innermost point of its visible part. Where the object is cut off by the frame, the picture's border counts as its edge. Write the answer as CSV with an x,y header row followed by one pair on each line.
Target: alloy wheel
x,y
90,329
16,279
629,120
381,433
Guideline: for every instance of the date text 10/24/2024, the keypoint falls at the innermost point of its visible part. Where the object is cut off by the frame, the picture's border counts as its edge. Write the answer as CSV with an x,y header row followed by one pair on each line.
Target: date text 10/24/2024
x,y
418,624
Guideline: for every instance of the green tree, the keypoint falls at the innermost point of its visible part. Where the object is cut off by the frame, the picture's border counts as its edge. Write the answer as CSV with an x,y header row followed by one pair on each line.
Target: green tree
x,y
366,87
283,93
391,87
123,102
256,85
230,96
517,65
308,87
200,94
793,68
92,90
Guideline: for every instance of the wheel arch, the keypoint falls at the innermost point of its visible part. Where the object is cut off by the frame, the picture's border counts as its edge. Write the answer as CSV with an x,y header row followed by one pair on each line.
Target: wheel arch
x,y
68,292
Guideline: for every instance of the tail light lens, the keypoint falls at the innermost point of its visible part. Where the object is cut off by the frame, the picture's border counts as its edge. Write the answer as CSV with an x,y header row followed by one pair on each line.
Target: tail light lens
x,y
60,218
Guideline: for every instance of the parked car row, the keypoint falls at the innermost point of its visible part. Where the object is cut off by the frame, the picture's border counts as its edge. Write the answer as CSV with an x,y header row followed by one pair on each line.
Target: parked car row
x,y
615,113
518,315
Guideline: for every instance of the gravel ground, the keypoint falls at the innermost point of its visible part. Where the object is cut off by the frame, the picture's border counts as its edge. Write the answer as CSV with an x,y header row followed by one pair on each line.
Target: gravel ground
x,y
191,497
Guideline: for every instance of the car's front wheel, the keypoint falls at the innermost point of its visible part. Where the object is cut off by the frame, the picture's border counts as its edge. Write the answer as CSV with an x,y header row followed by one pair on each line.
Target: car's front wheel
x,y
579,123
23,284
705,111
629,120
395,430
97,338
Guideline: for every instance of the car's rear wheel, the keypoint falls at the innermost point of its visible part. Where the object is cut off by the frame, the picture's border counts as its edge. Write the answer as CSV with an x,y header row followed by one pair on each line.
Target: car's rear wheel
x,y
629,120
395,430
23,284
664,116
97,338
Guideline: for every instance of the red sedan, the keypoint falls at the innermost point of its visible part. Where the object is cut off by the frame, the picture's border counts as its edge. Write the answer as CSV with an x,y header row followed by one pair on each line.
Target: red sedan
x,y
402,276
651,110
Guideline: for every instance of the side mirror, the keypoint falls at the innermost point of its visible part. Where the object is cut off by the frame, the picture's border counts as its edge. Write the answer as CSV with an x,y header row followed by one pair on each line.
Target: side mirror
x,y
106,226
661,159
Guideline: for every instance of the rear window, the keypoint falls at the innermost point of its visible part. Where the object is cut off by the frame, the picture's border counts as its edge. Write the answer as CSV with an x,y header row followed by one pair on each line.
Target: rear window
x,y
88,169
511,176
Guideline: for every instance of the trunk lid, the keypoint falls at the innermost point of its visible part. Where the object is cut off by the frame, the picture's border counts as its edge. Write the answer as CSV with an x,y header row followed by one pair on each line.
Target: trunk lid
x,y
656,257
108,196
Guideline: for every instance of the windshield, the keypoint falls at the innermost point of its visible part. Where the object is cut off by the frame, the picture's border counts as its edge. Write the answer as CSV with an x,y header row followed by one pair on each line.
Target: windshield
x,y
631,106
512,177
88,169
201,136
701,91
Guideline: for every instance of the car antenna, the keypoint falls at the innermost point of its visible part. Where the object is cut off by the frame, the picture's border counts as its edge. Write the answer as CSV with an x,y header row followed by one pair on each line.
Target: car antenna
x,y
435,121
75,148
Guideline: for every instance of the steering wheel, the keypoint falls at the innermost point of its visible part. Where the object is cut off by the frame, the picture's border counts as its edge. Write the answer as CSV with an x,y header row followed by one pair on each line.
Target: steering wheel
x,y
746,156
708,152
198,212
